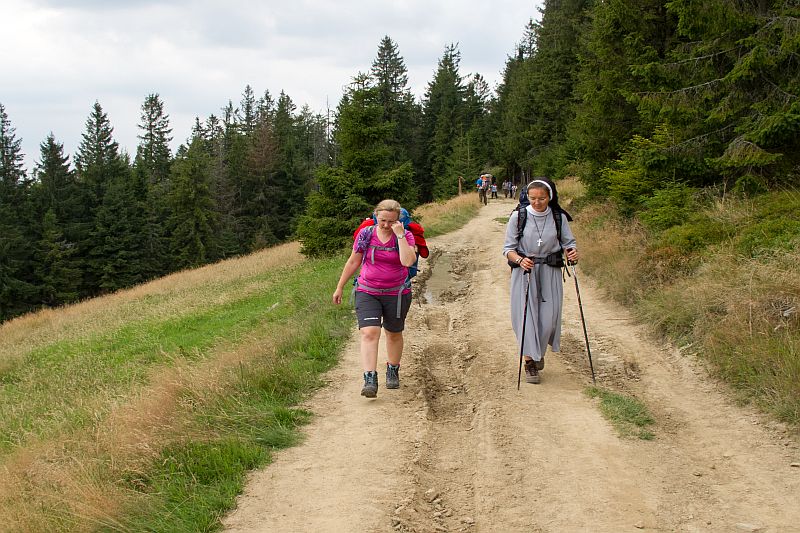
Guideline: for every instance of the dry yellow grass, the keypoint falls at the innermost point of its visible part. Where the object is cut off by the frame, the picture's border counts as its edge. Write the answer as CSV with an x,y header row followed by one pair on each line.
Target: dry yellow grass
x,y
740,313
610,251
569,190
434,211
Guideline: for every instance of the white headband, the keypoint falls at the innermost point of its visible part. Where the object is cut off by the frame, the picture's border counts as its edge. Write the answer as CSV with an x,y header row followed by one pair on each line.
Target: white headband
x,y
543,183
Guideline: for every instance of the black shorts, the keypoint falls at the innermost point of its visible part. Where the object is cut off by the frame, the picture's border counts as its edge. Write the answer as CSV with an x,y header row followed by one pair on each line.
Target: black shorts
x,y
373,310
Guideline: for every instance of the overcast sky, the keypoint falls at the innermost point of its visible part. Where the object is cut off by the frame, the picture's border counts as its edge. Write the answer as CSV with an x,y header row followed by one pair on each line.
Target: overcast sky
x,y
58,57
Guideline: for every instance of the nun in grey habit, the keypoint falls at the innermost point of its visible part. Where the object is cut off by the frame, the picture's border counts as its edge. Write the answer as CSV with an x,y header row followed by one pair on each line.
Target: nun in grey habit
x,y
546,289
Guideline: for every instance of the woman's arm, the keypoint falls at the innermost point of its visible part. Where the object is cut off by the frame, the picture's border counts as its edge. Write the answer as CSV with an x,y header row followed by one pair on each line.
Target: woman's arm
x,y
568,241
350,268
408,254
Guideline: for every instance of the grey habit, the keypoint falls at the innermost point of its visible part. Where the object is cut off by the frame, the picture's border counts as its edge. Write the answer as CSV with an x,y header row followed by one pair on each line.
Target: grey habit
x,y
544,314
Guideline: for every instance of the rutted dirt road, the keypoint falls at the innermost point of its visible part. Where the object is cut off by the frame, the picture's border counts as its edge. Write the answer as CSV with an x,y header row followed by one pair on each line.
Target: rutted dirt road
x,y
458,448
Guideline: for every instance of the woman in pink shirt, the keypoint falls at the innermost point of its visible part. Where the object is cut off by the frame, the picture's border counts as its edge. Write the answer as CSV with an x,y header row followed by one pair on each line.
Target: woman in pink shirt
x,y
383,252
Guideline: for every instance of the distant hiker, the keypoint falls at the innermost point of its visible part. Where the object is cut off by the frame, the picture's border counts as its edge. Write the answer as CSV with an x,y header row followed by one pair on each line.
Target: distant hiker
x,y
536,235
382,296
483,188
513,190
494,190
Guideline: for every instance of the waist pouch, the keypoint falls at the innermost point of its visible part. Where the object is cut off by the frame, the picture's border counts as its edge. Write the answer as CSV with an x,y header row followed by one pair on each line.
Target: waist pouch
x,y
555,260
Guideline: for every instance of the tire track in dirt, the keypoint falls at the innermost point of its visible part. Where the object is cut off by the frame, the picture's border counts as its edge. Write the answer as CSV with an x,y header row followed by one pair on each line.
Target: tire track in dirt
x,y
458,448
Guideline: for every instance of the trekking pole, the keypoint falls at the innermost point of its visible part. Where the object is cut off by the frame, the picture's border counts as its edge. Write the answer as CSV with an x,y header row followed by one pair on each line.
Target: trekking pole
x,y
583,320
524,322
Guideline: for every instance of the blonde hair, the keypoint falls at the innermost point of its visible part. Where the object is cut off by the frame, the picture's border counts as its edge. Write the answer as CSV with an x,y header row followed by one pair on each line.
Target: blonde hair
x,y
388,205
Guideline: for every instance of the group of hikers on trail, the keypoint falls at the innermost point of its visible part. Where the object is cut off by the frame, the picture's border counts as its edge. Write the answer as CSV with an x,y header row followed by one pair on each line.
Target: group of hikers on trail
x,y
385,252
487,188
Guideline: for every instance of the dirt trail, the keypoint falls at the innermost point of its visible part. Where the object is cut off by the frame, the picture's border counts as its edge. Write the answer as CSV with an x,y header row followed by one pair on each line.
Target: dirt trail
x,y
458,448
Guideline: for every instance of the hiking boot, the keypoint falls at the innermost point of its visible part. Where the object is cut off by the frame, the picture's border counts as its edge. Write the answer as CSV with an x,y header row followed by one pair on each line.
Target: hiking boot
x,y
392,376
540,364
531,372
370,388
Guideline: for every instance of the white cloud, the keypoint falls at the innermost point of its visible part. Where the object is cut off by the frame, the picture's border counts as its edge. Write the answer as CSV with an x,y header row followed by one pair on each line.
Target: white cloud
x,y
64,55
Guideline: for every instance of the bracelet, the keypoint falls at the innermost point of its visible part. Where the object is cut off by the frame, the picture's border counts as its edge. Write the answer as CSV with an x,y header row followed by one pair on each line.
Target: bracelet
x,y
519,261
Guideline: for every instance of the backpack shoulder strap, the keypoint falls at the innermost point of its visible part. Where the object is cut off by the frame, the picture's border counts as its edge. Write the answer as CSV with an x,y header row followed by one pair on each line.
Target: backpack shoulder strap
x,y
363,238
522,218
557,217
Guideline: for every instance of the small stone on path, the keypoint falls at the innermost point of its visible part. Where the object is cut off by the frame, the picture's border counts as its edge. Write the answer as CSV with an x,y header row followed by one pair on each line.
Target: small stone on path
x,y
795,465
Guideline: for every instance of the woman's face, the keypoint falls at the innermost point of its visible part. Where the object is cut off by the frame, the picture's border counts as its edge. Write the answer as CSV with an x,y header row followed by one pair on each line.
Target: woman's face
x,y
539,198
386,219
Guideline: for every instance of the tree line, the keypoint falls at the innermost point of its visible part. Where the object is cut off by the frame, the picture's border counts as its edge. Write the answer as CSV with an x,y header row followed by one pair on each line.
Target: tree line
x,y
106,221
645,100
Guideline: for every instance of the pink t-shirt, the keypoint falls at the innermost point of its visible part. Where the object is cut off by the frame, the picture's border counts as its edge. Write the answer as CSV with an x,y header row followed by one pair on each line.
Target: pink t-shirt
x,y
386,271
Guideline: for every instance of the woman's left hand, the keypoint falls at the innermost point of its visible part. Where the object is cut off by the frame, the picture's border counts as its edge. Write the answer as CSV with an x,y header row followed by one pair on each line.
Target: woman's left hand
x,y
398,228
572,255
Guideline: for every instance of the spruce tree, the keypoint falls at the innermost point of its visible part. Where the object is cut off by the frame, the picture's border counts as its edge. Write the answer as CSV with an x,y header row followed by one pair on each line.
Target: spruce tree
x,y
259,191
247,113
17,289
471,150
513,109
390,78
733,100
365,175
101,167
151,182
442,121
57,267
153,155
193,212
61,214
608,80
553,75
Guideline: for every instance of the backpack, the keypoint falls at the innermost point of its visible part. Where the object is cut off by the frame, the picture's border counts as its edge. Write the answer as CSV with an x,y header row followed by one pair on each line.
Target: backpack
x,y
363,238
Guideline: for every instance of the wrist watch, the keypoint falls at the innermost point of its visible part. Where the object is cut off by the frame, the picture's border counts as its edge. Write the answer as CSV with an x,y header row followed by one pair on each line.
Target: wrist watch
x,y
403,236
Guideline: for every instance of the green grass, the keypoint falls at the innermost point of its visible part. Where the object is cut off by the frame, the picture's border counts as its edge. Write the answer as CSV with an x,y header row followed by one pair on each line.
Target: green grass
x,y
65,385
502,220
192,484
628,415
67,388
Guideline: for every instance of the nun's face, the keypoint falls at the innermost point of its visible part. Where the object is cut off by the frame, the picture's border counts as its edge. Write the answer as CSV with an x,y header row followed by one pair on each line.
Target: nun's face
x,y
539,198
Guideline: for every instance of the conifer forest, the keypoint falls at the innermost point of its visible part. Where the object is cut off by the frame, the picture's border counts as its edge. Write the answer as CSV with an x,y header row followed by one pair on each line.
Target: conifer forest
x,y
646,101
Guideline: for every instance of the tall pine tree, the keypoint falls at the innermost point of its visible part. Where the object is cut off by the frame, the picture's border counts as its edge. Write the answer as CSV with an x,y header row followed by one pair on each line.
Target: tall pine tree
x,y
113,222
193,211
442,122
17,289
60,209
151,173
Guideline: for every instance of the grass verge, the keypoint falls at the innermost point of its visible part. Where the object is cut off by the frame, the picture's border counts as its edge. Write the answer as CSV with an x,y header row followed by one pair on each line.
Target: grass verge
x,y
443,217
733,295
628,415
159,420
